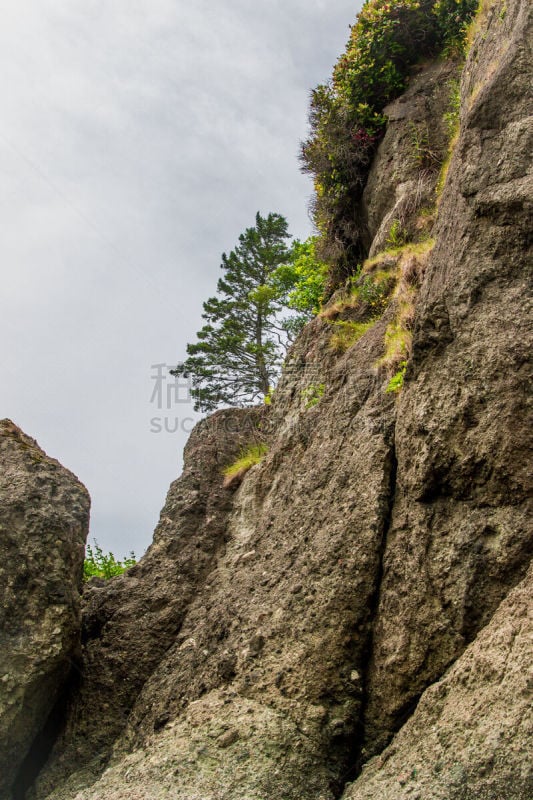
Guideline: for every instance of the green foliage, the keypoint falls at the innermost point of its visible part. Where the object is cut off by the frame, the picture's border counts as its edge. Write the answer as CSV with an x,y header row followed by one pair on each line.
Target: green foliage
x,y
346,114
369,294
269,291
269,396
374,290
240,348
398,340
248,458
396,382
302,278
397,235
347,333
452,115
312,395
451,118
453,18
98,564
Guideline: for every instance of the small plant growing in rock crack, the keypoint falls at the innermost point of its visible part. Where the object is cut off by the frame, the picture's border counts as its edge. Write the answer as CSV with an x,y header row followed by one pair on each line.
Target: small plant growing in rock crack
x,y
423,156
98,564
451,116
347,334
397,236
396,382
248,458
312,395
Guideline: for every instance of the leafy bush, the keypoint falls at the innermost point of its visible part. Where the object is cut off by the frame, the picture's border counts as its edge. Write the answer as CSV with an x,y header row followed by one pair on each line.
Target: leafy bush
x,y
369,294
98,564
300,282
249,457
346,114
374,290
397,235
453,18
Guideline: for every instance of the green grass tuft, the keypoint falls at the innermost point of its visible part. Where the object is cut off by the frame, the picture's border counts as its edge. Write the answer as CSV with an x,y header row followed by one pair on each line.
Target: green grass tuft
x,y
347,334
312,395
249,457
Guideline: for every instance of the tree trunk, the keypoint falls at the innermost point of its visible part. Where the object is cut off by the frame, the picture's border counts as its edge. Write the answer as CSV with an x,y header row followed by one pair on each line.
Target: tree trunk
x,y
262,374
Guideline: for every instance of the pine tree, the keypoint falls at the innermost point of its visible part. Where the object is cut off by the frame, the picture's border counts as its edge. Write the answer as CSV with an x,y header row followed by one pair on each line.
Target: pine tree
x,y
239,349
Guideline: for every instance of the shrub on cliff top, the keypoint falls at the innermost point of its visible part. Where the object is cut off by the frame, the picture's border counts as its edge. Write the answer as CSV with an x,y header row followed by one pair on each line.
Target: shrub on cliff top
x,y
98,564
346,114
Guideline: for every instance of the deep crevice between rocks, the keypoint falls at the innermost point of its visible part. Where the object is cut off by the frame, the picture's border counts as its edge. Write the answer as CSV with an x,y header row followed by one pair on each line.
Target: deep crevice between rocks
x,y
357,755
45,740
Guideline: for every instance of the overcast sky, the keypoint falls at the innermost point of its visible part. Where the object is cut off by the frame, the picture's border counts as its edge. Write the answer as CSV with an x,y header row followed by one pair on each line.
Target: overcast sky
x,y
138,138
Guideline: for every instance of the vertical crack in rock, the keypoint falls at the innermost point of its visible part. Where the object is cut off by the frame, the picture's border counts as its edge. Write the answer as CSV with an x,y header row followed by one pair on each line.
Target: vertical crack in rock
x,y
360,755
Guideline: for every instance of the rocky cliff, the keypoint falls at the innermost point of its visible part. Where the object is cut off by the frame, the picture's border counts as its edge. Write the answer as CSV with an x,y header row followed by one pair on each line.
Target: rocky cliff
x,y
354,619
44,519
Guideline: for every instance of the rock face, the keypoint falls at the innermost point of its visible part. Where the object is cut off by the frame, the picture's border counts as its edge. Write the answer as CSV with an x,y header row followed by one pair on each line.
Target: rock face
x,y
470,736
258,669
460,536
44,518
402,178
130,622
277,636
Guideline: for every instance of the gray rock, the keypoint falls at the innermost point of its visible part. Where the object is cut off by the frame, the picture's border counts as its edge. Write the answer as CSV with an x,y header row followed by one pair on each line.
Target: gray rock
x,y
470,736
461,534
245,653
44,517
131,621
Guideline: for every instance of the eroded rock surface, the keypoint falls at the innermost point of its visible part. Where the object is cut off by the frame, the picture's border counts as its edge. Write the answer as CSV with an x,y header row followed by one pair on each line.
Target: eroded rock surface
x,y
461,533
44,518
258,692
470,736
131,621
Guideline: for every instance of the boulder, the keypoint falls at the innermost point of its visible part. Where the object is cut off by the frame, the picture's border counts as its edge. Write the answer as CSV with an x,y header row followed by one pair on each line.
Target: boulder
x,y
44,518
